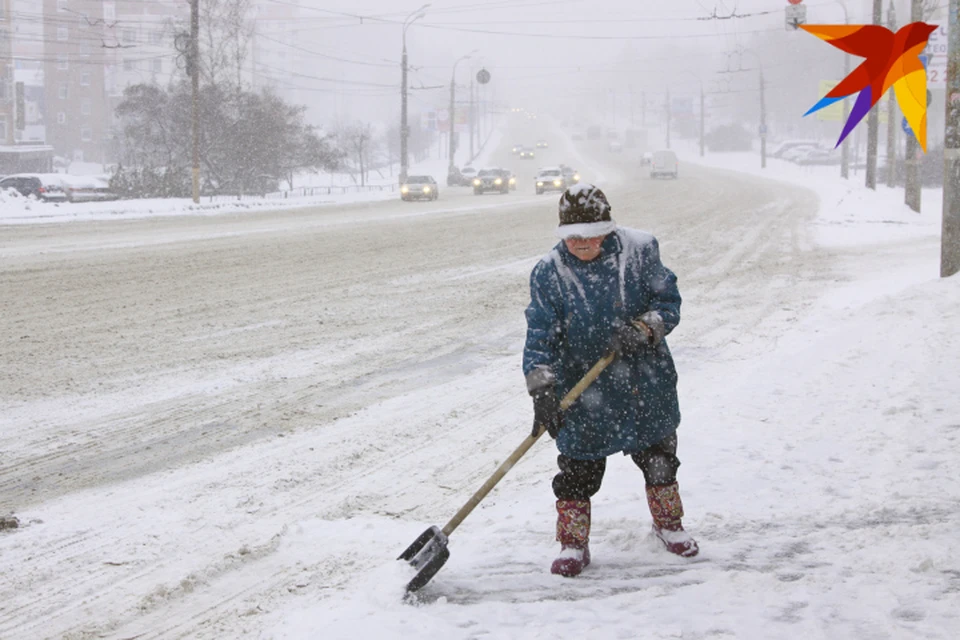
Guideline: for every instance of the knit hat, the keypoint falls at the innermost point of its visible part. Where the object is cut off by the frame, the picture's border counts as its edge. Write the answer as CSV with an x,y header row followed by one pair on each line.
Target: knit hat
x,y
584,213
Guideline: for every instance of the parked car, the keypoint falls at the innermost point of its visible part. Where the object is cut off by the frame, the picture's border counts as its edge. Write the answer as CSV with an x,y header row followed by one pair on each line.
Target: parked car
x,y
577,136
550,179
419,188
787,145
664,163
491,180
47,187
615,146
646,159
527,153
88,189
818,156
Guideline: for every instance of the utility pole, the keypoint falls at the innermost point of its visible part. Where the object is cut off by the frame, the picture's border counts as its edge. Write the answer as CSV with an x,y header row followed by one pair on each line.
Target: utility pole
x,y
404,127
845,145
891,113
873,120
911,155
701,119
950,232
668,117
643,109
472,119
453,105
195,77
763,123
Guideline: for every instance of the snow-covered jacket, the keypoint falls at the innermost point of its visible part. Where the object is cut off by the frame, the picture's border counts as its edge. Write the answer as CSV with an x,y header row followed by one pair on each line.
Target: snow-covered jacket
x,y
574,307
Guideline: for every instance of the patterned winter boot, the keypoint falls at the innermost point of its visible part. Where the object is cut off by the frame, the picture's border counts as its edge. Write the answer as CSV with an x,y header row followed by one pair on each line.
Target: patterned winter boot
x,y
573,533
667,510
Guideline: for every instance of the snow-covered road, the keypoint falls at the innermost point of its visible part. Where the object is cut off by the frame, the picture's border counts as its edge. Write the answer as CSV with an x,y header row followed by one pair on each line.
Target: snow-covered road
x,y
229,425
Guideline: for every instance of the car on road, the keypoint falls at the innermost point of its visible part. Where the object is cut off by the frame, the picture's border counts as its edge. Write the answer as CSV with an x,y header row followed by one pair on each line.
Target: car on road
x,y
492,179
664,163
467,174
570,174
511,179
646,158
516,149
419,188
527,153
550,179
542,144
47,187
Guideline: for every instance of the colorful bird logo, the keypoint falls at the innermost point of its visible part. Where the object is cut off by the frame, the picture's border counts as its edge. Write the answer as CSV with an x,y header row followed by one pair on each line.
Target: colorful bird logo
x,y
892,59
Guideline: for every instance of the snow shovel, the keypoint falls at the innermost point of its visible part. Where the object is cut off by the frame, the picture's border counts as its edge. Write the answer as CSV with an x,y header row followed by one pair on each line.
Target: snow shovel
x,y
429,552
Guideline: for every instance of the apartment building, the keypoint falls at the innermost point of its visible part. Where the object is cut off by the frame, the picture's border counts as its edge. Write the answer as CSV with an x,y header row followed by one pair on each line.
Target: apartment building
x,y
7,102
76,39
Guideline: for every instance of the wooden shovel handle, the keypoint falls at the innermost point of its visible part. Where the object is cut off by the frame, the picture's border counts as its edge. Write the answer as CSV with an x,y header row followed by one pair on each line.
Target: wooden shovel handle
x,y
528,442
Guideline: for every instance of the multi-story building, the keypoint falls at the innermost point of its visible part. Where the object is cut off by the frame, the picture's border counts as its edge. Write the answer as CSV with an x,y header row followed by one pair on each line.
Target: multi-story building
x,y
27,49
7,113
76,37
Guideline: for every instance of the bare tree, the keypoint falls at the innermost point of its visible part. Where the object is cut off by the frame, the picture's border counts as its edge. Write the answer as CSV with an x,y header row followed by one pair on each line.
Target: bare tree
x,y
227,32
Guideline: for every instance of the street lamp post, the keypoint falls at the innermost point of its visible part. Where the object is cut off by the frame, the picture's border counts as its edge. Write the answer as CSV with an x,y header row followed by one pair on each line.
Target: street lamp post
x,y
763,111
404,129
845,146
702,102
453,103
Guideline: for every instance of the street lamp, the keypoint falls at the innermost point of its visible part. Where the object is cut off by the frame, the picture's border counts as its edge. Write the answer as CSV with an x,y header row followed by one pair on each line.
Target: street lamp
x,y
763,111
453,97
404,129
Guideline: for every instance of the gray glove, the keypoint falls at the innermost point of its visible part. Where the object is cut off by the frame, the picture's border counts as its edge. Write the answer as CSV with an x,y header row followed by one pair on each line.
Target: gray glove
x,y
644,332
546,405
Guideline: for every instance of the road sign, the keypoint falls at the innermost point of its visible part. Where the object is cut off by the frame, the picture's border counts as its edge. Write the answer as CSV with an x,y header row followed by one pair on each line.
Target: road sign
x,y
796,15
833,113
936,58
483,76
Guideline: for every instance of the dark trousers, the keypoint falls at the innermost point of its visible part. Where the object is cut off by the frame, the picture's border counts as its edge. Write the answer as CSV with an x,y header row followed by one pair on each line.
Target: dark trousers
x,y
580,479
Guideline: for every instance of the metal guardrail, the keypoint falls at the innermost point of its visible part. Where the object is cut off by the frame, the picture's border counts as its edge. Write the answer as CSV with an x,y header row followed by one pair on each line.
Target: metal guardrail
x,y
307,192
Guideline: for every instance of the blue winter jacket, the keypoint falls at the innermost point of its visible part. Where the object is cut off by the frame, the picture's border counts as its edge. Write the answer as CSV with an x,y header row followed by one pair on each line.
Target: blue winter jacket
x,y
574,306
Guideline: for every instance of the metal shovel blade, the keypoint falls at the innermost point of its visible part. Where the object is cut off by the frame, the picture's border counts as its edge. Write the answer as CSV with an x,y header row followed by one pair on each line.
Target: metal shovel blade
x,y
427,554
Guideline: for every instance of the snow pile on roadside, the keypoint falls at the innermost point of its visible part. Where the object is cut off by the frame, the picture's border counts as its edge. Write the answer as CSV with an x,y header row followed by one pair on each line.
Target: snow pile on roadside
x,y
15,209
850,213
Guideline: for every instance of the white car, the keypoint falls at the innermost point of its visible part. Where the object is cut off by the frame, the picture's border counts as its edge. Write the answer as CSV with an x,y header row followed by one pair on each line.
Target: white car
x,y
467,174
664,163
550,179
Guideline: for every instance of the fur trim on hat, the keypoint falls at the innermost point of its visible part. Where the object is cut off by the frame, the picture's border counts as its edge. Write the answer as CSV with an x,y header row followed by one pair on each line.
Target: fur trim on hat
x,y
586,229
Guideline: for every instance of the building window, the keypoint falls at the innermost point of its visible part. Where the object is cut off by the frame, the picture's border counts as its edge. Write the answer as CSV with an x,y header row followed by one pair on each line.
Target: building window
x,y
3,129
61,118
128,35
85,79
85,107
63,91
156,37
129,65
109,11
62,34
61,5
63,63
86,134
158,65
